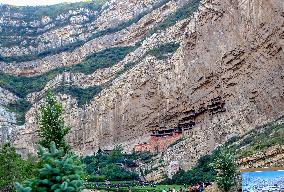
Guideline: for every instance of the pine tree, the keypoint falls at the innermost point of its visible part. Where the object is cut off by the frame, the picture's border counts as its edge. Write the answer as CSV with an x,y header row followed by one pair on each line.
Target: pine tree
x,y
9,167
51,123
59,172
226,167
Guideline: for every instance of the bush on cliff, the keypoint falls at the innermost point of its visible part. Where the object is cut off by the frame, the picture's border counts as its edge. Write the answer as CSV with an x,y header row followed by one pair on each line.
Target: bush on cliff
x,y
82,95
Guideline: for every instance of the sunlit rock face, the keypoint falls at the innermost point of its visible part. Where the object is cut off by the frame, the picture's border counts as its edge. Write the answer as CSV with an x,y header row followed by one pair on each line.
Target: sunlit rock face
x,y
7,118
226,76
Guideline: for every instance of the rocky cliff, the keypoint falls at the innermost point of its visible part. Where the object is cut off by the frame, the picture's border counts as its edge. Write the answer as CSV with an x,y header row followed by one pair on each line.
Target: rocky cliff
x,y
212,68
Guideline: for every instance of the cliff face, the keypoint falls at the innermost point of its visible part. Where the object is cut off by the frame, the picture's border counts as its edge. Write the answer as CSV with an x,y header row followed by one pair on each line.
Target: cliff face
x,y
224,76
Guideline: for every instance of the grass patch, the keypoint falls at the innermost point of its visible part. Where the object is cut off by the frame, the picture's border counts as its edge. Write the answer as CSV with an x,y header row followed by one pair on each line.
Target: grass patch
x,y
133,186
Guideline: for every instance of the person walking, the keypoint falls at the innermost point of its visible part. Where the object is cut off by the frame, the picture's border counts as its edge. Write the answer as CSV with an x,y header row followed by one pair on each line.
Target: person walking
x,y
201,187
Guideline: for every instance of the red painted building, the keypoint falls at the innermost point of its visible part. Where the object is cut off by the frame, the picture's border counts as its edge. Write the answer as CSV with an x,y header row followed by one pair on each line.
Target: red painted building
x,y
160,140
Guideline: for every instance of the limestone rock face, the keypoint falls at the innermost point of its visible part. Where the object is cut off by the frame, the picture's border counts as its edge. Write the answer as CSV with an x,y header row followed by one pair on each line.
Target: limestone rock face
x,y
7,118
93,40
46,32
228,71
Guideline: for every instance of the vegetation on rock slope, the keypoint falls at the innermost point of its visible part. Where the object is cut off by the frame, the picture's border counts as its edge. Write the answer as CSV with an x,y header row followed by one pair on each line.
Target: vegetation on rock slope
x,y
83,96
162,51
21,85
253,142
31,14
182,13
13,168
72,46
20,107
258,139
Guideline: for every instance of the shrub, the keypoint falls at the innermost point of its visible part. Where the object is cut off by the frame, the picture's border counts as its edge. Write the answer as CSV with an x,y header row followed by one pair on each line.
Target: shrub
x,y
162,51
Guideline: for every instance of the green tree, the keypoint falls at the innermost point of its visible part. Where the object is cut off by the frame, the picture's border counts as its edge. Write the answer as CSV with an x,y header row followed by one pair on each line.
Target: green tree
x,y
9,167
115,172
51,123
201,173
116,155
226,168
13,168
59,172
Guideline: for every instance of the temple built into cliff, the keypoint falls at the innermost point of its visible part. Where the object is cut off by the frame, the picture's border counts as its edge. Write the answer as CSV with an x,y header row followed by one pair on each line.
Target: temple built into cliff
x,y
162,137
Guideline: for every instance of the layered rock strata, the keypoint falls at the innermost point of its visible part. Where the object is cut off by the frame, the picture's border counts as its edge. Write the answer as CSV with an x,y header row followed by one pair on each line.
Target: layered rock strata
x,y
228,70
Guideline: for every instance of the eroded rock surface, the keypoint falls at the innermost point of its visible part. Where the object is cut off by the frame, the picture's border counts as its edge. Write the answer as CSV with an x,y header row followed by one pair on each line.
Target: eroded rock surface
x,y
230,52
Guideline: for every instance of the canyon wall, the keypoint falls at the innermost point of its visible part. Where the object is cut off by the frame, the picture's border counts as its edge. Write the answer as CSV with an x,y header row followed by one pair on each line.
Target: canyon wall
x,y
228,71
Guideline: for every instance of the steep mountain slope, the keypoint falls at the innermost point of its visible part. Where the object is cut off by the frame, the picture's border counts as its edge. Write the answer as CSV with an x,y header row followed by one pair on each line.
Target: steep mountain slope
x,y
263,146
211,68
